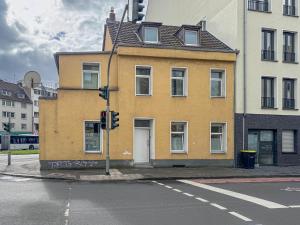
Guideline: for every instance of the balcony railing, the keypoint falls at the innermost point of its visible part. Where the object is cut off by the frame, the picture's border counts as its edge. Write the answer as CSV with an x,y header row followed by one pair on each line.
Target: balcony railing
x,y
257,5
289,56
267,102
268,55
288,103
289,10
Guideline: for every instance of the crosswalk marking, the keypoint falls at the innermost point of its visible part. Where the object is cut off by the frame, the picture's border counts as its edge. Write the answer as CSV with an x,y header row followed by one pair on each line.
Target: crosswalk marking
x,y
218,206
255,200
240,216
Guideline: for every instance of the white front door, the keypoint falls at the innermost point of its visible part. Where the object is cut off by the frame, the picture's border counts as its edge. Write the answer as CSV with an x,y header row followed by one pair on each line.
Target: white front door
x,y
142,144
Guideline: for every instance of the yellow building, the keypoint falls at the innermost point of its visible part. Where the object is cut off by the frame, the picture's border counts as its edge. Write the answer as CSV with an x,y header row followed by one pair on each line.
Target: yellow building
x,y
173,87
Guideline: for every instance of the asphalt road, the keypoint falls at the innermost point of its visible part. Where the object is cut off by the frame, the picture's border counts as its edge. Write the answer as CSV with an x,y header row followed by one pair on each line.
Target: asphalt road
x,y
26,201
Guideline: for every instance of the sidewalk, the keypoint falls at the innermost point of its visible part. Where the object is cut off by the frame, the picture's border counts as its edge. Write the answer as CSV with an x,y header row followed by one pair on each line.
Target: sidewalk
x,y
31,169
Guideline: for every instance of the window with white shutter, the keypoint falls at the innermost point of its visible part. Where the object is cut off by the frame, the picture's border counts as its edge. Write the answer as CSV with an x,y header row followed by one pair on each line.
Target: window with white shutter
x,y
288,143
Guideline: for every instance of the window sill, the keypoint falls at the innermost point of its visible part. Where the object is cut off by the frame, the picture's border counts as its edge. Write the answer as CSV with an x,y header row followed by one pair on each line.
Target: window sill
x,y
217,152
223,97
143,95
296,16
269,60
269,108
253,10
93,152
290,109
178,152
178,96
288,62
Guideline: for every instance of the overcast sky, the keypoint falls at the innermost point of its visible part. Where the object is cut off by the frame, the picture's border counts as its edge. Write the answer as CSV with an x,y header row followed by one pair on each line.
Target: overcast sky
x,y
32,30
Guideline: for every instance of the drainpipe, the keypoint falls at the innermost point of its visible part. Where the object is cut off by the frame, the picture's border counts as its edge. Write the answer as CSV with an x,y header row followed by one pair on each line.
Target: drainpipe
x,y
244,69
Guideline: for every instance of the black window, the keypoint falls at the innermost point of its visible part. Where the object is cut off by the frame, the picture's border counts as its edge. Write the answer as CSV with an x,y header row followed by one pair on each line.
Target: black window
x,y
288,94
258,5
289,54
289,8
268,51
267,99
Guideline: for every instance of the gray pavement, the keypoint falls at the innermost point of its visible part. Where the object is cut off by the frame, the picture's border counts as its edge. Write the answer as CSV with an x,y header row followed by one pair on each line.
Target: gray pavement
x,y
26,201
28,166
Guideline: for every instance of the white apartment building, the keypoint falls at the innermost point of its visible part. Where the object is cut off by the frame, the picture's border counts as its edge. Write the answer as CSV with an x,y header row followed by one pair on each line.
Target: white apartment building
x,y
16,108
266,32
37,92
35,89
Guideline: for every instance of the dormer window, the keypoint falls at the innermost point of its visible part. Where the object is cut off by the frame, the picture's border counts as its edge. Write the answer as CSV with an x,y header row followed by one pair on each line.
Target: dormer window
x,y
191,37
151,34
6,93
21,95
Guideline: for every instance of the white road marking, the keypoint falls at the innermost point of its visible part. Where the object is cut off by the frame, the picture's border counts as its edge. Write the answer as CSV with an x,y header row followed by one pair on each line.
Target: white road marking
x,y
67,212
160,183
240,216
187,194
294,206
22,179
154,181
202,199
255,200
168,186
218,206
177,190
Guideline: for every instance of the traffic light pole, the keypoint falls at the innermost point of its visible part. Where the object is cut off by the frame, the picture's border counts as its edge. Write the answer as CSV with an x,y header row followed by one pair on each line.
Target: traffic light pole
x,y
9,152
107,159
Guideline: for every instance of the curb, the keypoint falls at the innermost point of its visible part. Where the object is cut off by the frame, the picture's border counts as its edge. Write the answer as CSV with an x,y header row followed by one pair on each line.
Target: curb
x,y
149,178
38,177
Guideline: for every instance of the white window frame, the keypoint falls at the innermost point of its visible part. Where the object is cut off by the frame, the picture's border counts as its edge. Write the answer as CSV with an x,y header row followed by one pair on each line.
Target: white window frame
x,y
144,31
185,81
101,139
223,81
186,137
191,31
98,77
144,76
224,139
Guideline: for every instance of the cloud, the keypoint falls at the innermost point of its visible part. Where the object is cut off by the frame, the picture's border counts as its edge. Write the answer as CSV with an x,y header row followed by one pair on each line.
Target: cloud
x,y
32,30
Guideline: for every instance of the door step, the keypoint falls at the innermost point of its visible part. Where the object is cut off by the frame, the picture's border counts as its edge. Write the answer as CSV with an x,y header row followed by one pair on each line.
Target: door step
x,y
143,165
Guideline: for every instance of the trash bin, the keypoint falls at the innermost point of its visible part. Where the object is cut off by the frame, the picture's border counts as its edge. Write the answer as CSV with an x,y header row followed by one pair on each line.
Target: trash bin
x,y
248,158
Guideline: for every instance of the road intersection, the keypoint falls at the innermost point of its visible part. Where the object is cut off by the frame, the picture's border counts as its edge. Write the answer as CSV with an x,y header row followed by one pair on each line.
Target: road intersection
x,y
32,202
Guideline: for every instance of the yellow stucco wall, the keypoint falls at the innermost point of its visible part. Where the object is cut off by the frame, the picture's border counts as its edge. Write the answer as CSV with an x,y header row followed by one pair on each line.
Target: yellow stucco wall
x,y
62,120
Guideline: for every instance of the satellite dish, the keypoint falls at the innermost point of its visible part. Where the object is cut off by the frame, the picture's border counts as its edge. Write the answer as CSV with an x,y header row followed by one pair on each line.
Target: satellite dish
x,y
32,79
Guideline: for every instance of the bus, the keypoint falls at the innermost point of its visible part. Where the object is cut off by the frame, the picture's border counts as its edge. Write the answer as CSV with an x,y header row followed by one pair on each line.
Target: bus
x,y
22,142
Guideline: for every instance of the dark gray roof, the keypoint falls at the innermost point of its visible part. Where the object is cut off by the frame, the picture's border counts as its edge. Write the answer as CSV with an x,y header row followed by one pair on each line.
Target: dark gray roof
x,y
168,39
14,89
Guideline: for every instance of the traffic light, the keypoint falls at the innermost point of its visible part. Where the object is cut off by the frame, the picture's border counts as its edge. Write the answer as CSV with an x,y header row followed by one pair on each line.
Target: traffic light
x,y
114,119
137,9
104,92
103,120
7,127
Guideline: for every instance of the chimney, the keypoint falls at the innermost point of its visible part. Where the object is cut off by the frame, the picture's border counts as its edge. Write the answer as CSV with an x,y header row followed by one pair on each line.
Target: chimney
x,y
112,15
202,23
